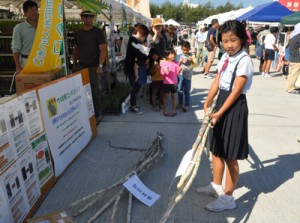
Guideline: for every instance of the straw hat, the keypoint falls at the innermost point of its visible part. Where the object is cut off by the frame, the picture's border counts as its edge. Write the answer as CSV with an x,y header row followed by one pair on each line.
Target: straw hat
x,y
157,22
86,11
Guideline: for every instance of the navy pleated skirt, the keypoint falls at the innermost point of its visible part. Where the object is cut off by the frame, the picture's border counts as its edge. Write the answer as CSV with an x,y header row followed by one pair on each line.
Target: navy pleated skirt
x,y
229,137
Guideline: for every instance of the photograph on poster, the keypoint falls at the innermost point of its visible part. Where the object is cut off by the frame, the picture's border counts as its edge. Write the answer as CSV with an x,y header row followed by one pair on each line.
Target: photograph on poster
x,y
5,213
66,120
26,164
18,133
32,113
42,159
6,153
15,191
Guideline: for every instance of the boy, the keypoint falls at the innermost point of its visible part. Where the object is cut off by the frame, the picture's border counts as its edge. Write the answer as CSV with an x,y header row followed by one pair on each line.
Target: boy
x,y
185,78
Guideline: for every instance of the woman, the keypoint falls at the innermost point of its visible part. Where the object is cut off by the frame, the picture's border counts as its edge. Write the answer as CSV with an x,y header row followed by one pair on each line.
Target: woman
x,y
229,136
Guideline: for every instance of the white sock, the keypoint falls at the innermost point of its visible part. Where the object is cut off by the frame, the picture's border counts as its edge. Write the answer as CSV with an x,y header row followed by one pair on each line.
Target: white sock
x,y
218,188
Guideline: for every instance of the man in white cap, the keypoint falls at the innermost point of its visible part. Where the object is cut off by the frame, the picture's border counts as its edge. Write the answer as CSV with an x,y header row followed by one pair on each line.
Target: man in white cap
x,y
89,52
294,67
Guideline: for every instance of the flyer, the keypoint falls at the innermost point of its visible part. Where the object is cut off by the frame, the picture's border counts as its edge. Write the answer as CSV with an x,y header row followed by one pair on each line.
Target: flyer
x,y
89,99
5,213
18,132
26,163
66,119
32,113
15,192
42,159
6,153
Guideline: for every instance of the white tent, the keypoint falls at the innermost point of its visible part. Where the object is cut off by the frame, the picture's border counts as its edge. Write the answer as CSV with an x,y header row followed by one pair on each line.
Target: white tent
x,y
223,17
172,22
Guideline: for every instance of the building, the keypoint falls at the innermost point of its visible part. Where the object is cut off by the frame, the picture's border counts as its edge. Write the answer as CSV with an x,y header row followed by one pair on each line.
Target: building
x,y
293,5
191,5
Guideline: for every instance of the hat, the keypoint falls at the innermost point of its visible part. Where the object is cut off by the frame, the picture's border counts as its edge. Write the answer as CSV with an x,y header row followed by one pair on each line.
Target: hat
x,y
157,22
86,11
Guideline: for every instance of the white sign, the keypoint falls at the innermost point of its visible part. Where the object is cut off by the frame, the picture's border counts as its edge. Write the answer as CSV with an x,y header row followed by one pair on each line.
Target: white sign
x,y
5,213
135,186
66,119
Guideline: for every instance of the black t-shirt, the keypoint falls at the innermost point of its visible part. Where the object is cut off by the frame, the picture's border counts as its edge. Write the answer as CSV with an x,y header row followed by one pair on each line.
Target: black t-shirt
x,y
294,46
88,42
212,31
132,56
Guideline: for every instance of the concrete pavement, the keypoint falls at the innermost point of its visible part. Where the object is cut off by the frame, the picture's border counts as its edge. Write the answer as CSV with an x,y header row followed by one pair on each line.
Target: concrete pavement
x,y
268,188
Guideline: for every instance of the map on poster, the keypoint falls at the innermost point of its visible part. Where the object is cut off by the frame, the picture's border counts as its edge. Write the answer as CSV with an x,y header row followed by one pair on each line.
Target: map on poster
x,y
29,177
6,153
13,183
17,128
66,119
32,113
42,158
5,213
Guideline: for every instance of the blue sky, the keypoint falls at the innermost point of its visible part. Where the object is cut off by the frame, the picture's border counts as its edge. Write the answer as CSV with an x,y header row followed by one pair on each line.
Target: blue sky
x,y
218,2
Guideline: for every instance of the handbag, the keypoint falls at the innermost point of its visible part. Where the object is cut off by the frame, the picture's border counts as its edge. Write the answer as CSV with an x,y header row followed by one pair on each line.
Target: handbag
x,y
209,46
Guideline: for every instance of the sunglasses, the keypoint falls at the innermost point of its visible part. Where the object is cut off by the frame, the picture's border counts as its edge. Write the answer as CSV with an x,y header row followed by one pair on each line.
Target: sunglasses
x,y
88,16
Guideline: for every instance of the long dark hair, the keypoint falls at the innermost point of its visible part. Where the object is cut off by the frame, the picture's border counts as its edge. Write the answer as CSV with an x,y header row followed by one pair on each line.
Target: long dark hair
x,y
152,52
236,27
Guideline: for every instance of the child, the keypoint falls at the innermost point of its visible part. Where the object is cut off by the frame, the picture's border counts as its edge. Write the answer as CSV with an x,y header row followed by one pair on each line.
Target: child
x,y
228,138
185,77
156,78
170,70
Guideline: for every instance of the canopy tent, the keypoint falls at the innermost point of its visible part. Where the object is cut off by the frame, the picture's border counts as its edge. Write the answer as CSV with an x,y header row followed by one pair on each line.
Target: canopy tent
x,y
269,12
292,19
222,17
172,22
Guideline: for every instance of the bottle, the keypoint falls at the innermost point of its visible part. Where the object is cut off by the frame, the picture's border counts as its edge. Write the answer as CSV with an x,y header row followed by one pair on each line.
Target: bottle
x,y
123,107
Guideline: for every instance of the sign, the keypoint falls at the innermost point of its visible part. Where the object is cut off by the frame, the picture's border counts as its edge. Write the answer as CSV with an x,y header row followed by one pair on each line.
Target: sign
x,y
66,120
135,186
48,42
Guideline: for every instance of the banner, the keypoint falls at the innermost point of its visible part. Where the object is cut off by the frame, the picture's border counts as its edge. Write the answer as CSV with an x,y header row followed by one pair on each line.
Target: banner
x,y
47,46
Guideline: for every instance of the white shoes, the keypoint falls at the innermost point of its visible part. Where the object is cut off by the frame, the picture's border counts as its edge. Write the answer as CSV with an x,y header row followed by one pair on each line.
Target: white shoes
x,y
224,202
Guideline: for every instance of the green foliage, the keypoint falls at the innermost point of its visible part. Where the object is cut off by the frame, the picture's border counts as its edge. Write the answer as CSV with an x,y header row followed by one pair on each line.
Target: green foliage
x,y
7,26
116,97
184,14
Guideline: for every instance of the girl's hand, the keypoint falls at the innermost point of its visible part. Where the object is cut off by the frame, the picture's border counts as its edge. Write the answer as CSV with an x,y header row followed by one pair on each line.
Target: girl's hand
x,y
214,118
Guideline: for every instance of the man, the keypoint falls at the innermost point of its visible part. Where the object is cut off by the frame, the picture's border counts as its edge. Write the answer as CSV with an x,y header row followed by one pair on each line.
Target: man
x,y
23,35
89,52
270,48
211,36
294,67
260,45
200,39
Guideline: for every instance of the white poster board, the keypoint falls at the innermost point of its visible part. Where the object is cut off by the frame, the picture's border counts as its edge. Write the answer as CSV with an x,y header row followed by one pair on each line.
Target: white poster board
x,y
66,119
5,213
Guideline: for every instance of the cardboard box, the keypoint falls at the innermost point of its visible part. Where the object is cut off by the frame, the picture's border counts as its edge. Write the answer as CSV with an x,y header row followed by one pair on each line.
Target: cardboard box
x,y
59,216
28,81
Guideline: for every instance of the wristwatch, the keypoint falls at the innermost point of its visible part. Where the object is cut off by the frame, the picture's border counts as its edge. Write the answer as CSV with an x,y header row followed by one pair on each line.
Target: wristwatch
x,y
100,65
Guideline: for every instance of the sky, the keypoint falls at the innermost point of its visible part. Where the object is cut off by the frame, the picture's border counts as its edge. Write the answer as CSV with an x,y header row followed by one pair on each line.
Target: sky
x,y
215,3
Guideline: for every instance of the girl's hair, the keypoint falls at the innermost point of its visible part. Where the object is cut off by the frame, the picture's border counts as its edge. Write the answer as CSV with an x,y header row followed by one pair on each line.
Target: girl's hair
x,y
142,29
152,52
236,27
186,44
168,52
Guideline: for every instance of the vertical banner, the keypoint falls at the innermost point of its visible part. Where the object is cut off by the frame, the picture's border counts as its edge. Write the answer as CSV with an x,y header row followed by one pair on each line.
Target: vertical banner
x,y
48,42
66,120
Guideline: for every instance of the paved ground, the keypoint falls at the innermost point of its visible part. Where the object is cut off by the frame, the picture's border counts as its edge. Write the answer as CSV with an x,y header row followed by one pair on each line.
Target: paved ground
x,y
268,188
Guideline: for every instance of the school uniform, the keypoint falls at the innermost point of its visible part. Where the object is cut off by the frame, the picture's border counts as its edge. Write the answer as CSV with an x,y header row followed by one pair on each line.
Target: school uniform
x,y
229,137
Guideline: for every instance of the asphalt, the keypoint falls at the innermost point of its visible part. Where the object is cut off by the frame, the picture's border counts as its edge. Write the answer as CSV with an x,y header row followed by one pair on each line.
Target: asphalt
x,y
268,188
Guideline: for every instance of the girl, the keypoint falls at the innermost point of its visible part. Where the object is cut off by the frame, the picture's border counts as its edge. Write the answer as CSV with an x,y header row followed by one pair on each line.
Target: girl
x,y
156,78
170,70
229,136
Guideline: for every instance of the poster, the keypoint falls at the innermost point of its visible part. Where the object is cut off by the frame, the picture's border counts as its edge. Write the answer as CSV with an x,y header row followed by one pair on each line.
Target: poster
x,y
42,159
6,153
66,119
19,139
89,99
32,113
15,193
5,213
29,176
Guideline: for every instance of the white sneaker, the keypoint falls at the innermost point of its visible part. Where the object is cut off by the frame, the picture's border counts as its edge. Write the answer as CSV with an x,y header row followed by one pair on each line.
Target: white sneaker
x,y
224,202
267,75
263,74
210,190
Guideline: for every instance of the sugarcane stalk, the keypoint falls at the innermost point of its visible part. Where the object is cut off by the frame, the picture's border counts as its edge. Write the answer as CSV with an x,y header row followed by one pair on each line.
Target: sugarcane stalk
x,y
112,219
80,211
129,208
